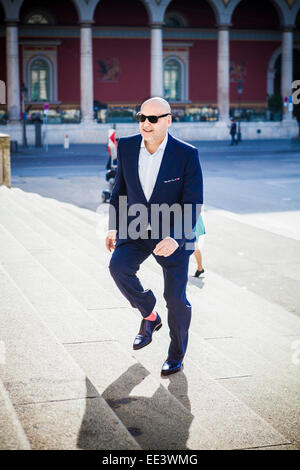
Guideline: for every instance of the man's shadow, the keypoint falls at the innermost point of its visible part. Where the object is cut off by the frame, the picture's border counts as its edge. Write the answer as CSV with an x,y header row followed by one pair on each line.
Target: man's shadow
x,y
159,421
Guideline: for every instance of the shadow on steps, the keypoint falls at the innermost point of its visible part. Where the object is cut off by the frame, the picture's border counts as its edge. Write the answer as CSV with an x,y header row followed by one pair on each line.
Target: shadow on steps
x,y
155,422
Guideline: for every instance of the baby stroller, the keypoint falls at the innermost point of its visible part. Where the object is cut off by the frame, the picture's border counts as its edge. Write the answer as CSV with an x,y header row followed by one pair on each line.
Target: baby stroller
x,y
110,178
111,165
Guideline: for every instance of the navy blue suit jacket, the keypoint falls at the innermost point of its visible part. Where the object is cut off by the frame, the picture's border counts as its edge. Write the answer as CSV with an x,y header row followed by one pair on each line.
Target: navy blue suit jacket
x,y
179,181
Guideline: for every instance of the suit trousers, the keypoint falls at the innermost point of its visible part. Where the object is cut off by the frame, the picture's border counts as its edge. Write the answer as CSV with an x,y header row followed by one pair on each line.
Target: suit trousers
x,y
125,262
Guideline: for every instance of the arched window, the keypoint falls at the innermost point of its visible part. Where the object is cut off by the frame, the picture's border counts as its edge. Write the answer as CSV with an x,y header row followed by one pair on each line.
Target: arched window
x,y
39,17
175,20
40,80
173,80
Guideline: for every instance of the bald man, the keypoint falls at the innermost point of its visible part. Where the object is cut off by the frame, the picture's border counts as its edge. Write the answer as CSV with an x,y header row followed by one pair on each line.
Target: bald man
x,y
155,169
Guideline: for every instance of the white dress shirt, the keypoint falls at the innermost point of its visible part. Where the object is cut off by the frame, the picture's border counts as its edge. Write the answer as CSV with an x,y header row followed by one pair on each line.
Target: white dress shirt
x,y
149,164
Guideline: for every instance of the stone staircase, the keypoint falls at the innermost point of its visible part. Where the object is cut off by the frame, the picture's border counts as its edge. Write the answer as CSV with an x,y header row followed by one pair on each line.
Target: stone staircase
x,y
69,378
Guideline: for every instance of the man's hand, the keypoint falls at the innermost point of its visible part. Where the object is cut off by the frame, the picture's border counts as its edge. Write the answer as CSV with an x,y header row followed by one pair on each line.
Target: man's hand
x,y
111,239
166,247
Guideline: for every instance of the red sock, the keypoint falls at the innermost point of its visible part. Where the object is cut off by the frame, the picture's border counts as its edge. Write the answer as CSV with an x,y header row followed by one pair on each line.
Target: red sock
x,y
152,316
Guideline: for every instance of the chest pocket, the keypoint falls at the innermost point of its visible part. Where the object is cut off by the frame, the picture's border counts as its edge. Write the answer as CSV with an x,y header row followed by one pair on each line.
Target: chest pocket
x,y
172,180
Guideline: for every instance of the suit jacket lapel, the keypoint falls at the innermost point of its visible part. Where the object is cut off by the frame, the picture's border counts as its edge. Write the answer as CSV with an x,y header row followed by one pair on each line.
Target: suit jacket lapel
x,y
163,170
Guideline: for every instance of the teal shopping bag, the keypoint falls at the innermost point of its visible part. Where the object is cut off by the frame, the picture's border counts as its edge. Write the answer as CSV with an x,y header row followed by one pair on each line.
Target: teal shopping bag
x,y
199,228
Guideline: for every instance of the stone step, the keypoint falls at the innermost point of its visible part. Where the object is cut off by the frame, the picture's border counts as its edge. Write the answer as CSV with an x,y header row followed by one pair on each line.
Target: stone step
x,y
276,387
56,310
86,215
271,315
258,352
238,440
65,224
68,226
267,314
217,364
68,237
76,261
91,226
155,417
286,325
235,425
264,395
278,318
276,398
238,311
65,315
12,436
246,309
57,406
221,373
227,340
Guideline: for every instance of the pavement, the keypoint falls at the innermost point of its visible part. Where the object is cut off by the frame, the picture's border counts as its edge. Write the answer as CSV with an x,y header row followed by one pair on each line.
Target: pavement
x,y
65,323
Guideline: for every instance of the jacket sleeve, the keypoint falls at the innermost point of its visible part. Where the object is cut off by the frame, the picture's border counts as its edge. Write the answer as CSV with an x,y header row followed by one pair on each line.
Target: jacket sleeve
x,y
192,198
119,189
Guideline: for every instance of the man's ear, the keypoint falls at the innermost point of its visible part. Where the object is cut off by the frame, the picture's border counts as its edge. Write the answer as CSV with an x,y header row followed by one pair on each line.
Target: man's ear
x,y
169,120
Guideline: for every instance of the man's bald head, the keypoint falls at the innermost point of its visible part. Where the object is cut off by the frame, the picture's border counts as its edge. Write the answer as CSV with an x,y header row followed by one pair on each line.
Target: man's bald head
x,y
158,103
154,133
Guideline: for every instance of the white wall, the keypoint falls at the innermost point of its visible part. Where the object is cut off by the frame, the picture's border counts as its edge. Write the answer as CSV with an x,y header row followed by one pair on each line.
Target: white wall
x,y
98,133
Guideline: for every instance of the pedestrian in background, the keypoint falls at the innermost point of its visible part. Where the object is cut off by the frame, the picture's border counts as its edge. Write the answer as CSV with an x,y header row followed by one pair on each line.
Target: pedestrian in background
x,y
233,132
112,149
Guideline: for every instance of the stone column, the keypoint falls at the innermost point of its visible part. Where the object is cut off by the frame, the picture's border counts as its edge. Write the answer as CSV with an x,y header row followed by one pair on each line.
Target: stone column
x,y
86,73
223,72
13,77
5,172
157,88
286,67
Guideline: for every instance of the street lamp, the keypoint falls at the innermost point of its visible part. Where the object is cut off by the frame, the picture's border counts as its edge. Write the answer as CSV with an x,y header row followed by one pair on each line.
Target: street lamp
x,y
24,93
240,91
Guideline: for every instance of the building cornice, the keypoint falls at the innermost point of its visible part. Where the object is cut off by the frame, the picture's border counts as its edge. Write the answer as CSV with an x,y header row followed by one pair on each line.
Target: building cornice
x,y
180,34
38,42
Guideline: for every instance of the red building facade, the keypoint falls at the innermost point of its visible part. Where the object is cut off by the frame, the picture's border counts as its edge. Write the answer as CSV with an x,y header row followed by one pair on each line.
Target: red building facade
x,y
49,48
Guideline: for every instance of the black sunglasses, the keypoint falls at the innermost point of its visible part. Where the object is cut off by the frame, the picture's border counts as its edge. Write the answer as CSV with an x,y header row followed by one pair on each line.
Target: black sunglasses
x,y
153,119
